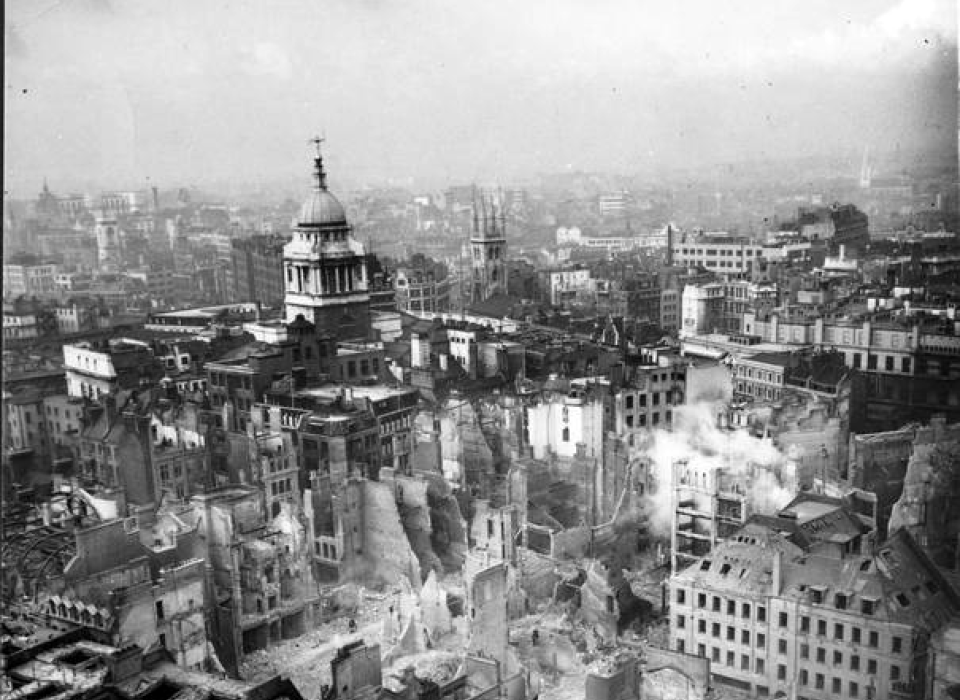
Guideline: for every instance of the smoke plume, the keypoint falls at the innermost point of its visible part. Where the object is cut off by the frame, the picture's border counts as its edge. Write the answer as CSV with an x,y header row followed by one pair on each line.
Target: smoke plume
x,y
765,474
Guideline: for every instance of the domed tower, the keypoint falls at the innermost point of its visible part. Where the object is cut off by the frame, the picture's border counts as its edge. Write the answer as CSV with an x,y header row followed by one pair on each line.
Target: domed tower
x,y
325,267
488,252
108,243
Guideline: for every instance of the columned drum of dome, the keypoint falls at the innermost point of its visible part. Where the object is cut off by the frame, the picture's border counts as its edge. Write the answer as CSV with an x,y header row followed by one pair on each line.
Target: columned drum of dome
x,y
325,267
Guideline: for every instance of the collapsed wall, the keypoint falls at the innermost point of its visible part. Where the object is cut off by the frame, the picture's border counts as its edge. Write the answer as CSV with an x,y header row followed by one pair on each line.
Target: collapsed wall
x,y
376,543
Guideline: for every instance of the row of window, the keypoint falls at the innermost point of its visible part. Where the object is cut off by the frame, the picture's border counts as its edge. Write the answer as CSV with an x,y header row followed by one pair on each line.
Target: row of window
x,y
740,252
641,420
819,679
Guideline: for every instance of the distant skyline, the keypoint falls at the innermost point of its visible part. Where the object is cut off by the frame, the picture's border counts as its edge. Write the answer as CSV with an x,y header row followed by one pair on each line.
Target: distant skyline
x,y
197,92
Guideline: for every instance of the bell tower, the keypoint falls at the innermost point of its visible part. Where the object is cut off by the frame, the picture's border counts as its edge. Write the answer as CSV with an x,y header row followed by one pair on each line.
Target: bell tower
x,y
488,250
108,243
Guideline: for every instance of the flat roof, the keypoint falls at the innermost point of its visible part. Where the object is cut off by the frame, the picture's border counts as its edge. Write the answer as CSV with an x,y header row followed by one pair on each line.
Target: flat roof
x,y
375,392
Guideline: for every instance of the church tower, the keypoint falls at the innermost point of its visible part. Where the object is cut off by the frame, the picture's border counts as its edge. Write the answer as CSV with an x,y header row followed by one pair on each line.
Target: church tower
x,y
108,243
325,267
488,251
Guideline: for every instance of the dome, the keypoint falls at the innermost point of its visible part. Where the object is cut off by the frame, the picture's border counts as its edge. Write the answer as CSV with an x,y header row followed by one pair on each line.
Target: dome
x,y
322,209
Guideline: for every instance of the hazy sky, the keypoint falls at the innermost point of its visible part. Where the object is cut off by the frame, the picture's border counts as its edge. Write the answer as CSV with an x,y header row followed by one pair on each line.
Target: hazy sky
x,y
198,91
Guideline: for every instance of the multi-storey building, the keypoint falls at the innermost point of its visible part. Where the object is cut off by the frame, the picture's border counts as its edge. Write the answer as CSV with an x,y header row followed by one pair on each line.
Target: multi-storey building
x,y
422,286
393,410
807,603
701,308
93,372
708,506
128,447
647,398
719,253
29,279
257,264
873,346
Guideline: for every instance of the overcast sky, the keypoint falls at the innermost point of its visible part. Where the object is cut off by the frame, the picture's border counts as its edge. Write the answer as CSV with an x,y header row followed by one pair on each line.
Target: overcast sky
x,y
125,92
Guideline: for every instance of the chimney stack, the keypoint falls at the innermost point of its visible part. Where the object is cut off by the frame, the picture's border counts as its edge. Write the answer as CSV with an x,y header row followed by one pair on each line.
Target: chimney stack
x,y
777,582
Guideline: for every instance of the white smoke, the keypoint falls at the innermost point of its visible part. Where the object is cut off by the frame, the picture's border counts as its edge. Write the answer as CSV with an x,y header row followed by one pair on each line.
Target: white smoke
x,y
768,476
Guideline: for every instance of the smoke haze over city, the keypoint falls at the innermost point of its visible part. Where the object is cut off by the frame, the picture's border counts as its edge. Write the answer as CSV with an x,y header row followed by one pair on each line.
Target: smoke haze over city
x,y
123,93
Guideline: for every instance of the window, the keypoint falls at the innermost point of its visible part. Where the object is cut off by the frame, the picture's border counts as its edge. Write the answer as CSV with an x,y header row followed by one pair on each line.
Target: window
x,y
680,645
805,624
866,606
731,634
760,666
731,659
716,604
782,646
702,650
784,619
566,434
821,655
897,645
744,636
854,662
872,667
702,626
159,608
822,628
731,605
745,610
681,622
855,634
761,613
854,690
838,632
744,662
838,658
836,684
818,684
804,676
889,363
804,651
781,672
905,365
761,639
701,600
715,655
715,630
874,640
681,596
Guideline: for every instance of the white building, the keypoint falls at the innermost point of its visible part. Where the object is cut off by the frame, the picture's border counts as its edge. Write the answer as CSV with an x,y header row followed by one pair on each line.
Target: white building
x,y
560,423
717,252
567,285
701,308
